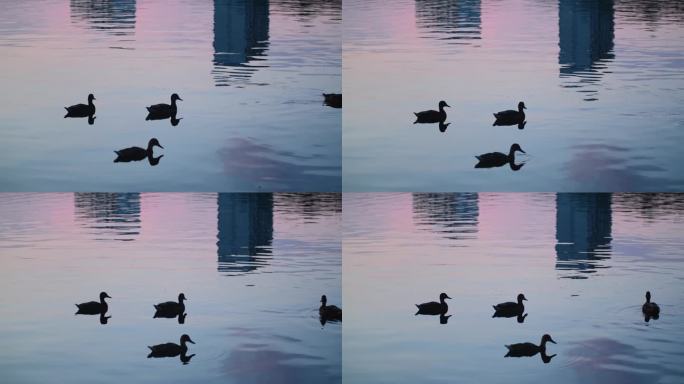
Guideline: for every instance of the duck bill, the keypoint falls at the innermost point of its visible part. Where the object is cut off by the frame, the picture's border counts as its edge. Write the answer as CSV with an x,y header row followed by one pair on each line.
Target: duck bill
x,y
447,297
551,340
107,296
180,99
447,105
160,146
190,341
521,150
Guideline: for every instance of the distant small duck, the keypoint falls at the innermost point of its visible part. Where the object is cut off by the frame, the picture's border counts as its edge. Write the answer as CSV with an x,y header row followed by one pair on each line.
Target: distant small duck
x,y
433,307
170,308
170,349
432,116
497,159
511,117
650,309
509,308
136,153
329,312
333,100
529,349
93,307
81,110
162,110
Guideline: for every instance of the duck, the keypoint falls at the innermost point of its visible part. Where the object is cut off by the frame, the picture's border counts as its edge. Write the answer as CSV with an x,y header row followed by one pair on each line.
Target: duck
x,y
157,111
511,117
529,349
81,110
432,116
170,308
170,349
433,307
329,312
136,153
509,308
333,100
650,309
497,159
93,307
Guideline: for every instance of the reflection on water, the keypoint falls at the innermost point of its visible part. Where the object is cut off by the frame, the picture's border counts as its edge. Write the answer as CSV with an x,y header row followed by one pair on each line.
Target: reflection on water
x,y
116,17
109,216
245,231
56,249
583,233
586,32
521,243
455,21
240,39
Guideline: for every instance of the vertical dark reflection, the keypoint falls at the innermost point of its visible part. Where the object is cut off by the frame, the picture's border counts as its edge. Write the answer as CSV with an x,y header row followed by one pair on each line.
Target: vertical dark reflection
x,y
110,216
116,17
455,21
245,231
583,232
453,215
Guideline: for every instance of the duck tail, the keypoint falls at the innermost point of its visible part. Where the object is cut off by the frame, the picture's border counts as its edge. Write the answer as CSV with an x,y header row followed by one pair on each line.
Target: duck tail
x,y
155,306
148,109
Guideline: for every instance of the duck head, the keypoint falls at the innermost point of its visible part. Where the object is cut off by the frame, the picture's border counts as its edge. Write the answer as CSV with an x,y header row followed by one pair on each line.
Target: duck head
x,y
546,338
521,106
324,300
443,296
153,142
181,297
443,104
103,295
521,297
521,318
648,296
91,97
515,147
175,97
174,121
181,318
154,160
443,126
186,339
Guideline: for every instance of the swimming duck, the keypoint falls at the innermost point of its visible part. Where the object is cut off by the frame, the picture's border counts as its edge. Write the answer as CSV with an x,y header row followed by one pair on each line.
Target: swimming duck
x,y
329,312
136,153
497,159
511,117
650,309
432,116
170,349
433,307
509,308
81,110
528,349
160,110
170,308
93,307
333,100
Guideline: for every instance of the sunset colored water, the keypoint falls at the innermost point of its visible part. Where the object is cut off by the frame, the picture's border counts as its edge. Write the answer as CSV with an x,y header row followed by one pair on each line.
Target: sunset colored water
x,y
584,262
251,75
602,82
252,266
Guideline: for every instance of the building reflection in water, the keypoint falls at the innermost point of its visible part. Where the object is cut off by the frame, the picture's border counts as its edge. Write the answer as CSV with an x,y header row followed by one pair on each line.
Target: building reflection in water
x,y
110,216
454,21
245,231
116,17
240,39
452,215
586,33
583,233
309,206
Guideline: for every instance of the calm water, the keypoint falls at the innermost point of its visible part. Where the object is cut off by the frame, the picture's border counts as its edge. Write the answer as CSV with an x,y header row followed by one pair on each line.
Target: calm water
x,y
584,263
603,83
253,268
250,73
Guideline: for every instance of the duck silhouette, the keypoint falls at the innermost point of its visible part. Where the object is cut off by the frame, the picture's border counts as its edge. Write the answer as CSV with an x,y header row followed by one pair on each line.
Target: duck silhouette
x,y
170,309
498,159
333,100
530,349
136,153
93,307
329,312
433,307
432,116
81,110
172,349
511,117
510,308
162,110
649,309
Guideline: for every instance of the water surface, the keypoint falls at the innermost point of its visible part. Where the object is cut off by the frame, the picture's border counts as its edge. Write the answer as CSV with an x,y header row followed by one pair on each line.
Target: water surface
x,y
603,83
253,267
250,73
583,261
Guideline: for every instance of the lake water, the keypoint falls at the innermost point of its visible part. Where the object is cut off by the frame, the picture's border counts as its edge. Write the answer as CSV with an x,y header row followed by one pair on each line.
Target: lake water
x,y
602,81
584,262
251,75
253,268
